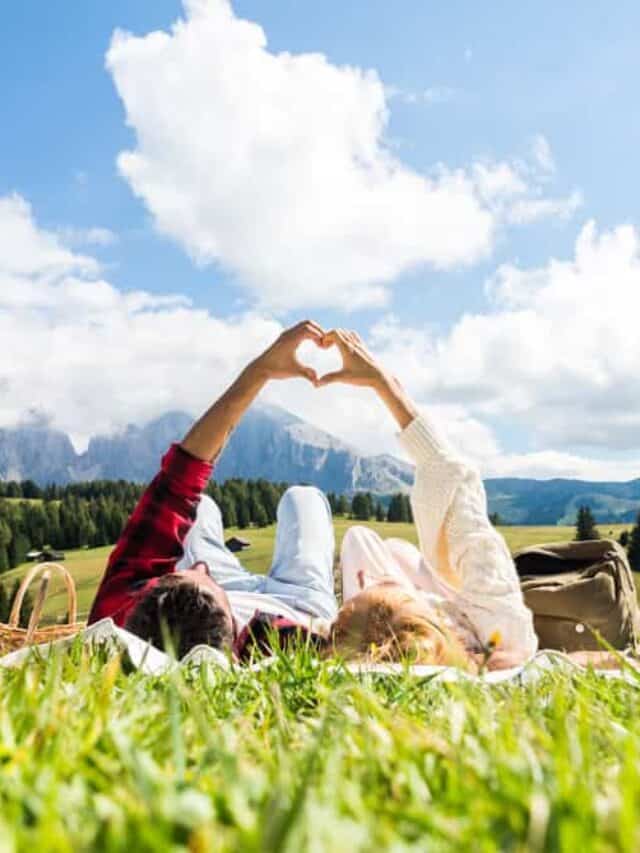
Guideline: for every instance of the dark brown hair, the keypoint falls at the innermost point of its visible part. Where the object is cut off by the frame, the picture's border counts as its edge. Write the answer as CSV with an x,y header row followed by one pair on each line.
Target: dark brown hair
x,y
185,612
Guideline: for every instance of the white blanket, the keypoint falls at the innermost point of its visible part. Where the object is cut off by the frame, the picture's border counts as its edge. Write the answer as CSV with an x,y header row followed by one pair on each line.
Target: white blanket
x,y
152,661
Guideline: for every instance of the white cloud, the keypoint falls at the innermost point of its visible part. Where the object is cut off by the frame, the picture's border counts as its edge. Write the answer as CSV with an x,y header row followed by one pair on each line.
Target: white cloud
x,y
276,166
78,237
476,441
527,210
93,359
498,181
27,251
514,191
556,354
430,95
542,154
548,464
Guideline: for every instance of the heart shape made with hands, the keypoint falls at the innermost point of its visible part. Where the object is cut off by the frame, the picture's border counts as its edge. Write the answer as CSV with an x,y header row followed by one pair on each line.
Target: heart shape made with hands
x,y
321,360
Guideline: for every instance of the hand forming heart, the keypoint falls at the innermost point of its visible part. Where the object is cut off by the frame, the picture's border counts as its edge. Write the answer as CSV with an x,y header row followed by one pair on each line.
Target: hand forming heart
x,y
339,356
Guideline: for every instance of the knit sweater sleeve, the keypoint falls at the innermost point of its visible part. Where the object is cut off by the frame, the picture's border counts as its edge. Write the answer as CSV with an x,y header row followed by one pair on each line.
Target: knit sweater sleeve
x,y
450,511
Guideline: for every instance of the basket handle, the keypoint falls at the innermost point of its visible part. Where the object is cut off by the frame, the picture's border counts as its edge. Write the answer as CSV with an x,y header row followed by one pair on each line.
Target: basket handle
x,y
45,570
34,619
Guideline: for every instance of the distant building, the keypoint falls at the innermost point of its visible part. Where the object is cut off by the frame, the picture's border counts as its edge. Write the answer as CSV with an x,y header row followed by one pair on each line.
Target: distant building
x,y
236,544
46,555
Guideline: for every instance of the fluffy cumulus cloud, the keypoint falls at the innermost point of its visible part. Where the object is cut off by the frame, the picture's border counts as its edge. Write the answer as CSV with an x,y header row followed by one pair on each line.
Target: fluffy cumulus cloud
x,y
91,358
556,353
275,166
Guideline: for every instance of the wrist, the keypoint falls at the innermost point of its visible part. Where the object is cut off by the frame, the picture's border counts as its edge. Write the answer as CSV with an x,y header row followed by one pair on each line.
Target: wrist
x,y
396,400
257,371
384,383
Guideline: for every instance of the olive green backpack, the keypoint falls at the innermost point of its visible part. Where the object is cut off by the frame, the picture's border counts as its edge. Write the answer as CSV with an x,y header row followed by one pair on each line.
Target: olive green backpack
x,y
577,590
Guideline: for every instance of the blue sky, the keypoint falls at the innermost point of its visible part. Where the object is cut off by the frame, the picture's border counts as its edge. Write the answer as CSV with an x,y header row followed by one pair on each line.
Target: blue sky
x,y
463,85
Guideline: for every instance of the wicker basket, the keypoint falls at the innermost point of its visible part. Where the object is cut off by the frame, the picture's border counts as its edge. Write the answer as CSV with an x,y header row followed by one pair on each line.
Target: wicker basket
x,y
13,637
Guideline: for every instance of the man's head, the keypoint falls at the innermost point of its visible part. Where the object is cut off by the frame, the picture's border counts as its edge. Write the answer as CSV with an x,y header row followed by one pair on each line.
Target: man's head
x,y
189,608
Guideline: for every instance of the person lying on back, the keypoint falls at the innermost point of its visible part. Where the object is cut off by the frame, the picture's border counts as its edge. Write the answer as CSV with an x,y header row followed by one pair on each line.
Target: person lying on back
x,y
456,600
170,572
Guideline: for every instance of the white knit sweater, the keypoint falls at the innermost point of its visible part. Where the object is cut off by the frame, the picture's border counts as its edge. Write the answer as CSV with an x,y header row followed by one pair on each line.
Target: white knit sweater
x,y
469,559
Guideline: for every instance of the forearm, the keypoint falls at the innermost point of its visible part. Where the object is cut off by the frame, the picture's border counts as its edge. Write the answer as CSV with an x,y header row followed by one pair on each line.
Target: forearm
x,y
396,399
208,436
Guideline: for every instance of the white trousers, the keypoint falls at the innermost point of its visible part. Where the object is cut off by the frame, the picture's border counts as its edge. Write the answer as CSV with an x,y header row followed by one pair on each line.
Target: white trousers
x,y
368,559
301,574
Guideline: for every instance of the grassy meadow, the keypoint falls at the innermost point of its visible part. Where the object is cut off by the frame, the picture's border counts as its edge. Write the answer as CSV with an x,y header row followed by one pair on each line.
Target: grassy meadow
x,y
303,756
87,565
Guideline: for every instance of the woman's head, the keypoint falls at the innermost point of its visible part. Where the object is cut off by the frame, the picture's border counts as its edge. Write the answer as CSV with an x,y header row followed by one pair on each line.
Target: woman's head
x,y
386,622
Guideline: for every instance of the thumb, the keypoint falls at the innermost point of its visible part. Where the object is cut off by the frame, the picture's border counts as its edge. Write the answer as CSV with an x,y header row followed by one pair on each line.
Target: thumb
x,y
335,376
308,373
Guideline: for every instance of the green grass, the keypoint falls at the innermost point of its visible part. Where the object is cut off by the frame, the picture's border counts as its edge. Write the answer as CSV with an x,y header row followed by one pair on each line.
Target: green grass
x,y
301,758
305,757
87,566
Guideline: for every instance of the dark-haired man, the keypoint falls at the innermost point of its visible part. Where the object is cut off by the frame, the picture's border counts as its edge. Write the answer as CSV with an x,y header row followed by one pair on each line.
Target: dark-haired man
x,y
170,571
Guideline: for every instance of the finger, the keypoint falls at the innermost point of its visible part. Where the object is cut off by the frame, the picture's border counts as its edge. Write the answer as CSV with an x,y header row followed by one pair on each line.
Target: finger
x,y
309,325
318,328
308,331
329,338
306,372
310,374
335,338
329,378
347,337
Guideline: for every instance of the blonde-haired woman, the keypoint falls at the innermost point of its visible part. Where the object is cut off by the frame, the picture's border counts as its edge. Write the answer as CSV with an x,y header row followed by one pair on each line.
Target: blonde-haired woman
x,y
458,598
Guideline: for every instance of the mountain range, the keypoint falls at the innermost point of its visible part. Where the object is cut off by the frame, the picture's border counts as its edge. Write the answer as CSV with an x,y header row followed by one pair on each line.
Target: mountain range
x,y
272,443
269,442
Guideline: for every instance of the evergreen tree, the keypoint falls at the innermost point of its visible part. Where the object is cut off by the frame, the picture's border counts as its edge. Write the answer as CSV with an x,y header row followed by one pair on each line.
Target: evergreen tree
x,y
242,513
400,508
380,513
585,525
495,519
30,490
228,510
633,549
342,506
396,509
270,498
13,490
5,539
260,518
623,539
360,508
371,507
18,549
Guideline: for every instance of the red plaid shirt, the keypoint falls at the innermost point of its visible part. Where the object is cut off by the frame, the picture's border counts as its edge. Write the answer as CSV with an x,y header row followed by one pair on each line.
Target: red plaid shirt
x,y
151,543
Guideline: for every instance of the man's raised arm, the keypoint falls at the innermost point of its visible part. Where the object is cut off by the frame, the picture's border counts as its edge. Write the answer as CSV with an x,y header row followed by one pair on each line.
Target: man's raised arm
x,y
151,543
206,439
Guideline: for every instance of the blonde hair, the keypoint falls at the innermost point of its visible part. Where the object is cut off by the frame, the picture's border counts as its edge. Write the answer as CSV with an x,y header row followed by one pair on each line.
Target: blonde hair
x,y
386,623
